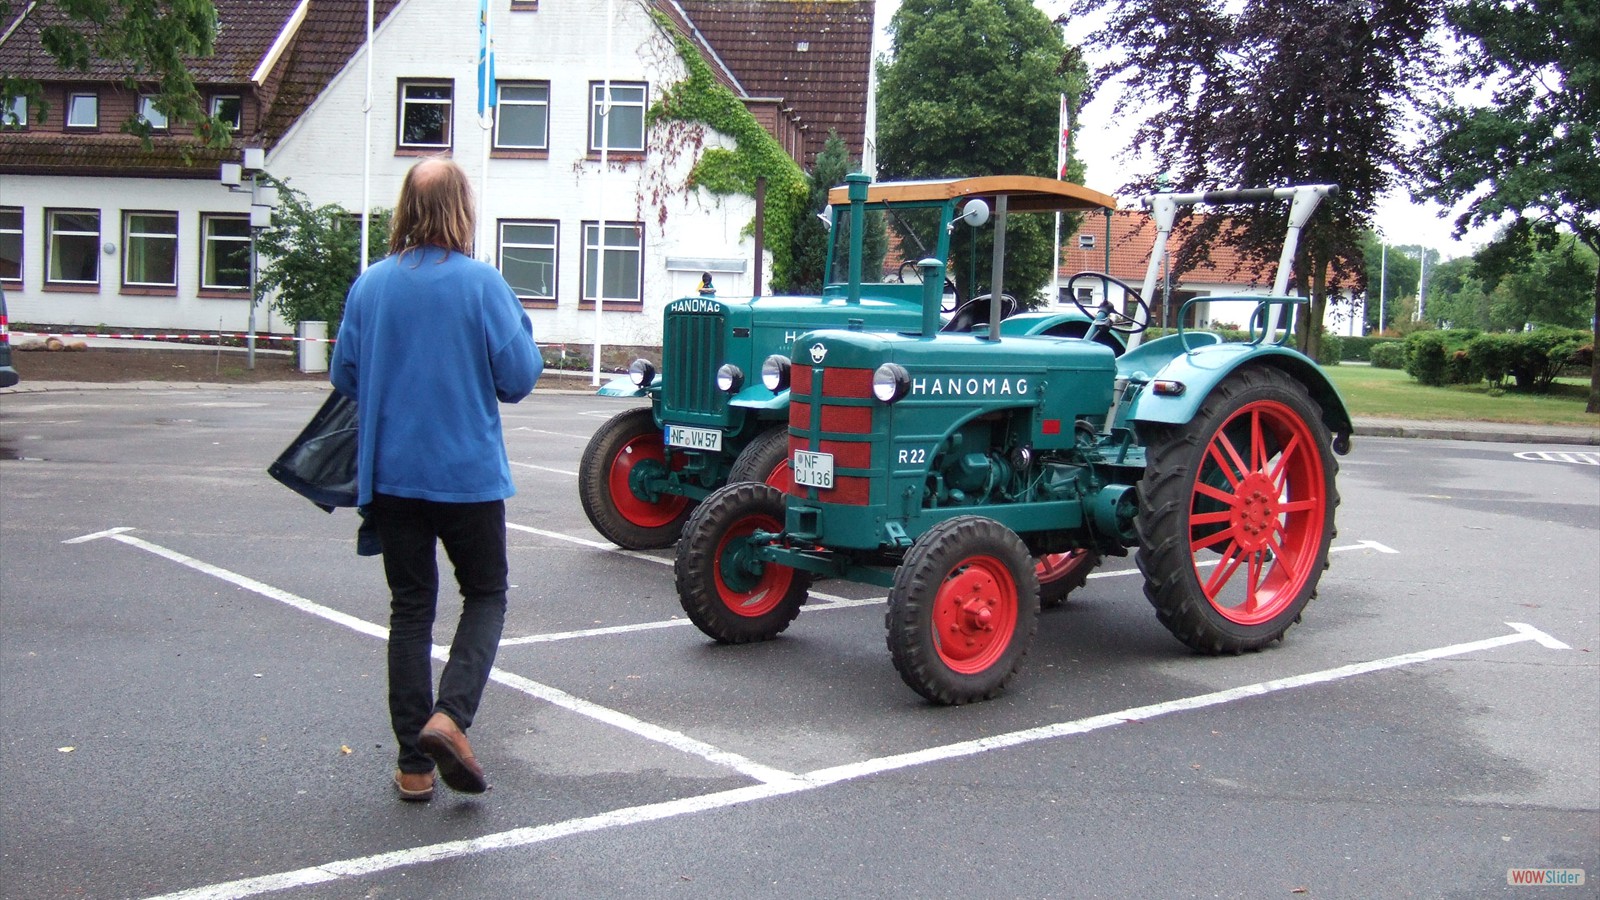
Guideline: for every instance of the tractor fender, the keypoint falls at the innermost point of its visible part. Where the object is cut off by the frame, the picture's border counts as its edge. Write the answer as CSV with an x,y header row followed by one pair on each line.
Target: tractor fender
x,y
623,386
758,397
1202,369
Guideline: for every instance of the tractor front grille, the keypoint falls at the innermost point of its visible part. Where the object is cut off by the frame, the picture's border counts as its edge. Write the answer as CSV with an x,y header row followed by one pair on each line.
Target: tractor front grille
x,y
841,426
693,345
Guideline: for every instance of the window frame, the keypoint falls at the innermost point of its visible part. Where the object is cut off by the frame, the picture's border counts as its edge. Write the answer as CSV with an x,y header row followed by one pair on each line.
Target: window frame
x,y
51,236
402,102
501,244
72,104
129,238
587,300
1086,242
15,118
596,102
147,108
206,252
500,106
216,99
22,243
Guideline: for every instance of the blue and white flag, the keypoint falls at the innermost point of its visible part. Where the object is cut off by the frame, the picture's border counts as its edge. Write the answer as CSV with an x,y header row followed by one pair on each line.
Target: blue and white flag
x,y
486,88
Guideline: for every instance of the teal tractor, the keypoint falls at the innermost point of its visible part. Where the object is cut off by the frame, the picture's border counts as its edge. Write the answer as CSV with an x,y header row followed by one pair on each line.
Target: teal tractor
x,y
944,466
716,417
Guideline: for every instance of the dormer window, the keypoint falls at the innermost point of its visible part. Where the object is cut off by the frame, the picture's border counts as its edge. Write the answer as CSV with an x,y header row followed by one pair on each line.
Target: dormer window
x,y
83,111
229,108
1085,242
15,117
148,112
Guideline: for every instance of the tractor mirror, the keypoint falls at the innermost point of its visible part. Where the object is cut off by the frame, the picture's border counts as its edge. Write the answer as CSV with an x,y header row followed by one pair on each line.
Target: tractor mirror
x,y
975,213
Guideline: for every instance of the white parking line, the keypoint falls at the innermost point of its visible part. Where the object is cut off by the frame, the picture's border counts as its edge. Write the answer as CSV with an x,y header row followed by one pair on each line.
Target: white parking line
x,y
544,468
675,740
523,837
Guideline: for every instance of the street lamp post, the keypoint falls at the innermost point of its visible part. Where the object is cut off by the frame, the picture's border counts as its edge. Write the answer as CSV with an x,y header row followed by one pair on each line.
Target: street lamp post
x,y
263,197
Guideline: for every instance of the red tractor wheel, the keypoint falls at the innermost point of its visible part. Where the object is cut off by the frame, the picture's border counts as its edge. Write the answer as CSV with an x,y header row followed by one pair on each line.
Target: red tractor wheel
x,y
1060,574
728,593
1236,513
963,610
765,459
625,450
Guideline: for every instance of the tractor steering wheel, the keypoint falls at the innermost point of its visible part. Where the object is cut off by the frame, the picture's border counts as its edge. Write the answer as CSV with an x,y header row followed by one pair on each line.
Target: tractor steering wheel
x,y
975,311
908,273
1119,321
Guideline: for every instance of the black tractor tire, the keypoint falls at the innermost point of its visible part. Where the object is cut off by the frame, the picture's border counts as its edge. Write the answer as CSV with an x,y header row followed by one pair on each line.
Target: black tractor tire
x,y
725,593
963,610
765,459
1236,512
1060,577
627,440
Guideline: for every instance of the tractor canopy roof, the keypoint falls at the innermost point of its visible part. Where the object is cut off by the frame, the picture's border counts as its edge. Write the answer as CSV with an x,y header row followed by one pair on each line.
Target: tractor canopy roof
x,y
1024,193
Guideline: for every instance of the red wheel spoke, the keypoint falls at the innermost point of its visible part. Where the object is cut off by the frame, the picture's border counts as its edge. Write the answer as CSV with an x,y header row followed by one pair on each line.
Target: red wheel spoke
x,y
1225,534
1252,583
1215,518
1299,505
1233,466
1217,493
1258,444
1282,467
1225,569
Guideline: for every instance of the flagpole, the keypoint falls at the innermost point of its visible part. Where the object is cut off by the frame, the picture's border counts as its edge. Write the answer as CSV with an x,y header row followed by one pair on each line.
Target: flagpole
x,y
366,150
486,113
600,229
1061,173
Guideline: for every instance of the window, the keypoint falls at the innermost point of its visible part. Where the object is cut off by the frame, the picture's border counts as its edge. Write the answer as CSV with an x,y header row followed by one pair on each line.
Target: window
x,y
150,249
15,116
623,272
224,252
528,258
425,115
10,243
622,130
83,111
72,246
229,108
522,116
1085,242
149,113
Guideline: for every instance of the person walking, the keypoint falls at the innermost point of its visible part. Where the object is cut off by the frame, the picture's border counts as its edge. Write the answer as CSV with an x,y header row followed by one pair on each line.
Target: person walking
x,y
431,343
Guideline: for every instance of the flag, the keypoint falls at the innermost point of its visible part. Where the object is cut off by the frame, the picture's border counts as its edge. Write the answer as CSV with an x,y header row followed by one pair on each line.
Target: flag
x,y
1066,133
486,89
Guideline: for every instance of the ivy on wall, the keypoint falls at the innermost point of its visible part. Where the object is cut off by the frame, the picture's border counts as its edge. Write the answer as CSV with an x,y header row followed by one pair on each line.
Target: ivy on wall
x,y
701,99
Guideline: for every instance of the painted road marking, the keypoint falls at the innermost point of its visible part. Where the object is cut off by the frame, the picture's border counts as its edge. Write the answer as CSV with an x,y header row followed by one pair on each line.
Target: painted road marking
x,y
1582,458
523,837
544,468
675,740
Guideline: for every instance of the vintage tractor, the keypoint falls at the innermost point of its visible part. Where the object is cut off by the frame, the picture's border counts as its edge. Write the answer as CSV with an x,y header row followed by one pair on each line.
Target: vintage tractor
x,y
714,418
944,466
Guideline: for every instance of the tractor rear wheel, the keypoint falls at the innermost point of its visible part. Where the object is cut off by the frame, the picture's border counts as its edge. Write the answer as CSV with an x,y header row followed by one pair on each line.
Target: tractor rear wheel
x,y
1236,513
627,448
1060,574
728,593
765,459
963,610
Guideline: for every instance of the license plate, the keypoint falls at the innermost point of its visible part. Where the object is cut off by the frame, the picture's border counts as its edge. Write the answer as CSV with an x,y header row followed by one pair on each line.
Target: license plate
x,y
694,438
813,469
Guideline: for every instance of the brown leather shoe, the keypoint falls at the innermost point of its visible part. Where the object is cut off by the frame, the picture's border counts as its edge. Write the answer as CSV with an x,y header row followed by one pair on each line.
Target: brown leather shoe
x,y
443,742
416,787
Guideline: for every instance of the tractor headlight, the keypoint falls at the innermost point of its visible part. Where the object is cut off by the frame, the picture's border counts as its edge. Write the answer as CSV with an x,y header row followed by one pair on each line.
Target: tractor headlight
x,y
730,379
642,373
890,382
775,373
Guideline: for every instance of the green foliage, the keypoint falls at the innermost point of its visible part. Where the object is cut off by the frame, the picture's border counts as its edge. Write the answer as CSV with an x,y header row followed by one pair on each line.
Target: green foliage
x,y
150,42
1359,349
1388,355
1330,350
811,238
311,255
973,88
1496,355
1427,357
701,98
1540,285
1540,355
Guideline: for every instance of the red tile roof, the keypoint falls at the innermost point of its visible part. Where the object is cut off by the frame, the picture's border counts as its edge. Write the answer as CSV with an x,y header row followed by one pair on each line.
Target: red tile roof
x,y
1133,235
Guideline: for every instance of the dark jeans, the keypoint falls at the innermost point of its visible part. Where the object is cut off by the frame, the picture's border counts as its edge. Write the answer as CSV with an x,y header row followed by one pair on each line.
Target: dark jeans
x,y
474,537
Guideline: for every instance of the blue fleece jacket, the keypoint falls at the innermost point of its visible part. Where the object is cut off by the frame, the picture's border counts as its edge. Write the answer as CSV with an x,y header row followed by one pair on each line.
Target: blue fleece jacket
x,y
431,343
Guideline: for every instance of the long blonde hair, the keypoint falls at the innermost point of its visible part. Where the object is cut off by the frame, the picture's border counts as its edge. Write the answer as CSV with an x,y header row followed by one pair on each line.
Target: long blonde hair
x,y
435,209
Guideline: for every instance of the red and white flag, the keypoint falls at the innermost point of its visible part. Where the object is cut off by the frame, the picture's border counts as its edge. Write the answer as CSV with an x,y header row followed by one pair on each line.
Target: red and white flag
x,y
1066,133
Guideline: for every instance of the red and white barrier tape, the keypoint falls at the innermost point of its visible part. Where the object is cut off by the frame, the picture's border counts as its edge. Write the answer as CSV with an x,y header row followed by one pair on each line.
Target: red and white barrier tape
x,y
169,337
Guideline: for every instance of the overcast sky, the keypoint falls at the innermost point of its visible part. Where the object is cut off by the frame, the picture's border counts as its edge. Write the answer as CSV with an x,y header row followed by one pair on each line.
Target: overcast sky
x,y
1102,142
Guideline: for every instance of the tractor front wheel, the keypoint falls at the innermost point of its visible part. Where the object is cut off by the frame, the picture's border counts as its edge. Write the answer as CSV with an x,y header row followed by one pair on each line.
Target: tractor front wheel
x,y
727,592
1060,574
625,450
765,459
1236,513
963,610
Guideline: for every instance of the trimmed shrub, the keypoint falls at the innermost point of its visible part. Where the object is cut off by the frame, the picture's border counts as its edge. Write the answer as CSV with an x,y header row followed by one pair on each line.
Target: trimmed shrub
x,y
1388,355
1544,353
1427,357
1330,350
1359,349
1461,369
1494,354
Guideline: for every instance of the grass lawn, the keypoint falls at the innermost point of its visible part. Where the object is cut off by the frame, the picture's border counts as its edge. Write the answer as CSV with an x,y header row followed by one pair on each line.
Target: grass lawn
x,y
1392,394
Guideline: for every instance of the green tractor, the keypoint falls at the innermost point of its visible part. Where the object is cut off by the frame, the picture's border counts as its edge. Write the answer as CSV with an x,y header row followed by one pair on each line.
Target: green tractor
x,y
946,466
716,417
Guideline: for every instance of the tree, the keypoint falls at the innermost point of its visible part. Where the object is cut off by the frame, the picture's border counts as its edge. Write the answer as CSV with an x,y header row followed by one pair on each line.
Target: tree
x,y
1547,287
1266,93
974,88
1530,152
1390,274
150,41
811,237
312,254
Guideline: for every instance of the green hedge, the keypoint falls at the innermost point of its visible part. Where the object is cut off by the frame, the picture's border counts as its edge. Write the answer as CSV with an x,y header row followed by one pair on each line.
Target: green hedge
x,y
1388,355
1532,359
1359,349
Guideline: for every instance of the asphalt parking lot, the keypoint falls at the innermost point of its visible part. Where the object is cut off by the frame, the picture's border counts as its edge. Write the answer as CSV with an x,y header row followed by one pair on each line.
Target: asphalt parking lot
x,y
192,661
